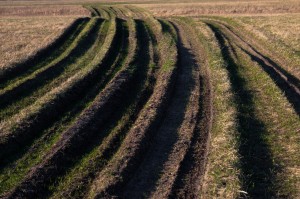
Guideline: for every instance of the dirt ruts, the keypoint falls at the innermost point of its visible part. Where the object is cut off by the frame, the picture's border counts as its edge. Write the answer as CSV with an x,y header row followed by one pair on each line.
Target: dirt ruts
x,y
141,115
173,136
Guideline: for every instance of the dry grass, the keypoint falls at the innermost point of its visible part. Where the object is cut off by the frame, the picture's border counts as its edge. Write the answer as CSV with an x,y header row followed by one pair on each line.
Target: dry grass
x,y
41,10
282,32
222,7
25,29
285,28
22,37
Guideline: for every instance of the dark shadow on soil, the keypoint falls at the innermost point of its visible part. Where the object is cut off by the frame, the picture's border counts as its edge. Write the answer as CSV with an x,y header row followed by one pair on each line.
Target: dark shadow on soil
x,y
258,170
149,171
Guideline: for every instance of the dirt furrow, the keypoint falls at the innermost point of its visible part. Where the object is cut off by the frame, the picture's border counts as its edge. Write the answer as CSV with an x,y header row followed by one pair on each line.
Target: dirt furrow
x,y
279,62
113,11
97,13
93,12
126,11
291,91
132,13
257,165
107,13
120,12
174,134
190,175
137,139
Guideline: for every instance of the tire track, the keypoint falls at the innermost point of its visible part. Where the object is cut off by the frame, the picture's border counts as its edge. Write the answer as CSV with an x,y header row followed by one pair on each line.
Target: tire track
x,y
137,139
76,137
120,12
93,12
107,13
189,179
174,134
278,63
101,105
130,114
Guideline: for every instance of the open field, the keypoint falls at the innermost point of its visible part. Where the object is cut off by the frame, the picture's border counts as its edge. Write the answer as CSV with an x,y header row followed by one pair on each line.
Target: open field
x,y
26,29
22,37
222,7
281,33
40,10
137,103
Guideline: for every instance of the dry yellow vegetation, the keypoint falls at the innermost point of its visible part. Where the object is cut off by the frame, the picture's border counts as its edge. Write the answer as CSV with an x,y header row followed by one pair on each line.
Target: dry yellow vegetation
x,y
26,29
41,10
22,37
197,8
281,32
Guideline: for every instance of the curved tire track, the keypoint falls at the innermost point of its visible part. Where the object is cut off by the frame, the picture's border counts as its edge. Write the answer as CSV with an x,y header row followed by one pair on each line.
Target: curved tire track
x,y
137,139
174,133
